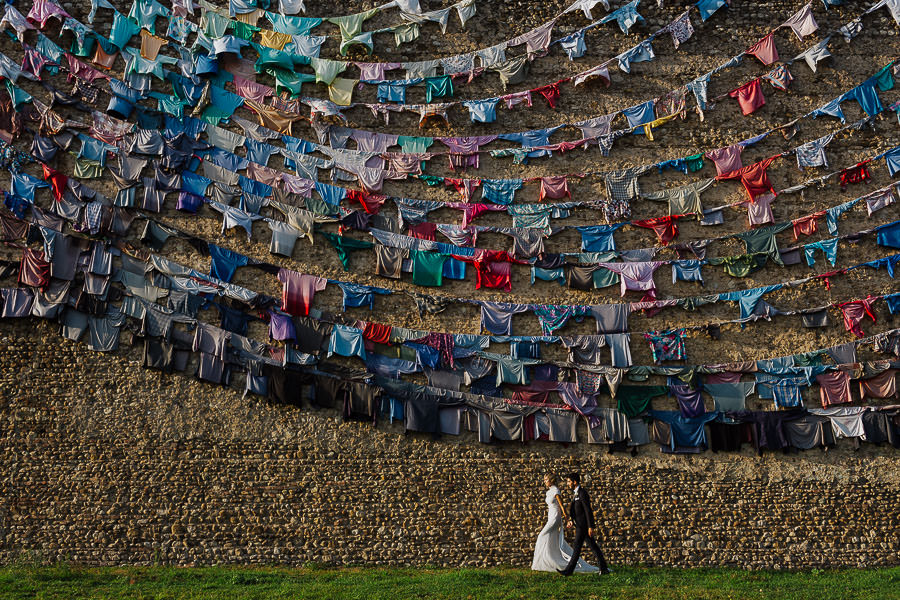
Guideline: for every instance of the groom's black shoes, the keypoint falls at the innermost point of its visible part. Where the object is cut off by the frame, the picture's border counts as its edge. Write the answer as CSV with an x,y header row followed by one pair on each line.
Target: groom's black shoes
x,y
604,572
563,572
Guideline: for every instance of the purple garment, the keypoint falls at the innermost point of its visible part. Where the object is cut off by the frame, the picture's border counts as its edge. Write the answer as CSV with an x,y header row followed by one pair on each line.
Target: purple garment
x,y
281,327
690,401
726,159
497,318
570,393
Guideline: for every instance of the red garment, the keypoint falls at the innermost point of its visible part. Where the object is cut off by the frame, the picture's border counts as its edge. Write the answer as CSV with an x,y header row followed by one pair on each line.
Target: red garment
x,y
57,181
377,332
34,270
471,211
494,275
423,231
807,225
550,93
880,386
855,174
371,203
464,187
298,290
765,50
854,312
554,187
749,96
754,177
834,388
666,228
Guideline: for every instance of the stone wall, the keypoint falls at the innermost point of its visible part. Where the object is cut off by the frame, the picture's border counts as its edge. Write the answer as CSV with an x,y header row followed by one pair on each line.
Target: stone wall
x,y
102,462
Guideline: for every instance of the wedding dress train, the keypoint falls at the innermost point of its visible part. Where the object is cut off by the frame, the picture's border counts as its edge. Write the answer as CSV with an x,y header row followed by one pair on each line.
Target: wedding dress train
x,y
551,551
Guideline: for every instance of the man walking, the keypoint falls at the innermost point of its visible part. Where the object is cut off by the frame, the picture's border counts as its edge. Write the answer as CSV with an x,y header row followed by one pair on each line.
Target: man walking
x,y
582,514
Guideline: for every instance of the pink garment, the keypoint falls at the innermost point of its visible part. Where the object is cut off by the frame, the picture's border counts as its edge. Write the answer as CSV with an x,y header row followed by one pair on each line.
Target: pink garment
x,y
807,225
878,200
79,70
883,385
726,159
375,71
759,211
765,50
42,10
33,61
464,150
252,90
423,231
297,185
109,129
370,179
472,211
724,377
554,188
636,276
263,174
464,187
298,290
854,312
803,23
370,141
749,96
517,98
400,165
536,40
461,162
834,388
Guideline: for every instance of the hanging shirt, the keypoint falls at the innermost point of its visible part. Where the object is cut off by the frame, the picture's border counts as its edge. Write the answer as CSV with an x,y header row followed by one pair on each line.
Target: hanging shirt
x,y
298,290
753,177
749,96
764,50
802,23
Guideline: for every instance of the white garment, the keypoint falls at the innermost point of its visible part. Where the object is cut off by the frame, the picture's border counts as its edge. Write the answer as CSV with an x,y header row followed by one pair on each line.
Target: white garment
x,y
551,551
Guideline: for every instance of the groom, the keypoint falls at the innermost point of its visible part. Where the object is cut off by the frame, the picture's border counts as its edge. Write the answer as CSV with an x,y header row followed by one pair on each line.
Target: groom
x,y
580,511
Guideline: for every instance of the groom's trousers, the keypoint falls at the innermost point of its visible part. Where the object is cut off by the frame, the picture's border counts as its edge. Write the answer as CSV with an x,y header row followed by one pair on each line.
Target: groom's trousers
x,y
581,536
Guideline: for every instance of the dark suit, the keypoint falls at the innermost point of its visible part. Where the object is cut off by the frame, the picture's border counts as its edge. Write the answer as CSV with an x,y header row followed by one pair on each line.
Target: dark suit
x,y
582,514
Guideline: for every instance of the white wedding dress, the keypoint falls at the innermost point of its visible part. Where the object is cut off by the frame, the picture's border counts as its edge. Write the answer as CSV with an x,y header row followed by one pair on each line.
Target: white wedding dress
x,y
551,551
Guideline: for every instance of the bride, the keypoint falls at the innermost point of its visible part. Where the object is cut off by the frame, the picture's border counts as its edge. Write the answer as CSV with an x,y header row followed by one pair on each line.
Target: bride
x,y
551,552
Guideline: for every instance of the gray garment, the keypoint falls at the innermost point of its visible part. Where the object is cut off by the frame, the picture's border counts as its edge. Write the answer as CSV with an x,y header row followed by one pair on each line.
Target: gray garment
x,y
138,286
512,71
17,302
513,371
474,368
222,138
683,199
96,285
211,368
100,261
450,419
46,303
584,349
284,237
130,167
220,174
562,424
497,318
620,349
843,354
210,340
506,425
74,324
639,432
104,331
730,396
613,427
816,318
527,243
443,379
611,318
389,261
809,431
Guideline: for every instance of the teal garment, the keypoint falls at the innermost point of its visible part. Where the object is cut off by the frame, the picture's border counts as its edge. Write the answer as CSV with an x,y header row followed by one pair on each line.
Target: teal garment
x,y
557,275
510,370
414,145
123,29
343,245
428,268
144,12
632,400
762,241
438,87
169,104
316,205
604,278
17,95
292,25
884,78
270,58
244,31
85,49
222,105
290,81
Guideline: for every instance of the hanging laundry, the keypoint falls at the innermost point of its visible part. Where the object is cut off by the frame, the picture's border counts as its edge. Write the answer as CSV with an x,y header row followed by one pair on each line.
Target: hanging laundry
x,y
626,16
779,77
554,187
764,50
643,52
682,200
802,23
666,345
573,44
815,55
636,276
708,8
878,200
855,174
726,159
482,111
807,225
759,212
753,177
550,92
298,291
812,154
854,312
680,29
828,247
749,96
537,40
665,228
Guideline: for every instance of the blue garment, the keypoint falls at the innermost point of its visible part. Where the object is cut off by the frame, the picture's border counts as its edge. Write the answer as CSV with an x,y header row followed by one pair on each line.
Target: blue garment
x,y
686,432
206,64
482,111
426,356
347,341
893,302
194,184
679,164
470,341
120,108
225,262
454,269
525,349
643,52
867,97
832,109
889,235
93,149
833,213
295,145
558,275
699,87
227,160
640,114
573,45
828,247
708,7
687,270
892,160
331,194
497,318
24,185
786,392
395,91
259,152
888,262
186,125
388,366
251,186
532,139
356,295
626,16
747,299
292,25
16,204
598,238
500,191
